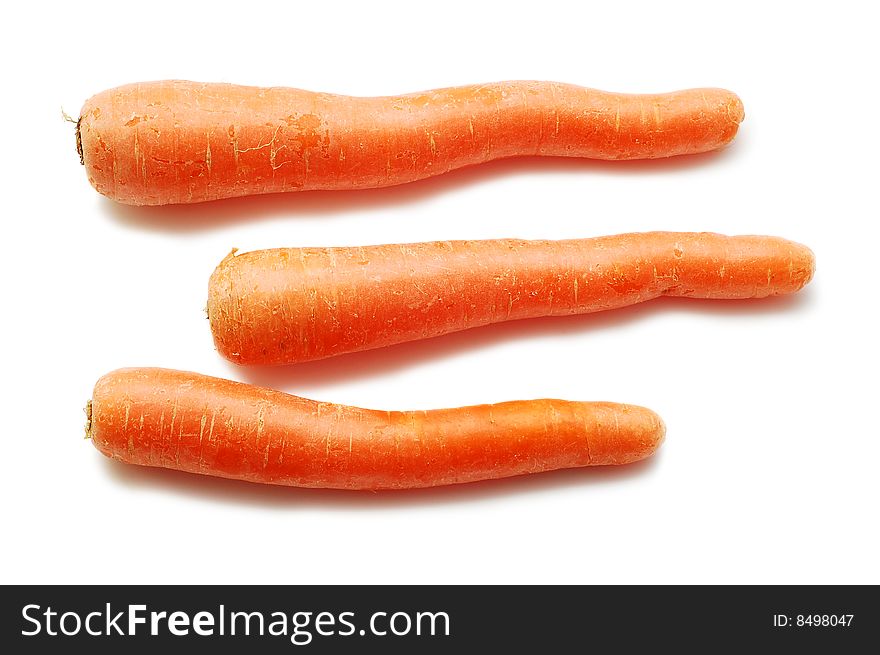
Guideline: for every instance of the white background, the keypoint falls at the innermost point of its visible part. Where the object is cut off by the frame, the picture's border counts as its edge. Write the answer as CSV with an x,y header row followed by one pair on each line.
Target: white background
x,y
769,471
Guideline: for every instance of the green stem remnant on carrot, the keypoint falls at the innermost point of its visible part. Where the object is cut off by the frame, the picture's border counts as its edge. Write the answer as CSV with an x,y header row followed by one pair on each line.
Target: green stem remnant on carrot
x,y
298,304
171,142
200,424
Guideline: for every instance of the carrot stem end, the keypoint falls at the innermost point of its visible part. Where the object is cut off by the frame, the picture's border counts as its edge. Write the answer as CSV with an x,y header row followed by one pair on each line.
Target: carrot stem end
x,y
79,148
88,411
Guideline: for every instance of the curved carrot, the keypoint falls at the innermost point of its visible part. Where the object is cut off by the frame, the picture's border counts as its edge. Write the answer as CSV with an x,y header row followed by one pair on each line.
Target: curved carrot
x,y
299,304
168,142
200,424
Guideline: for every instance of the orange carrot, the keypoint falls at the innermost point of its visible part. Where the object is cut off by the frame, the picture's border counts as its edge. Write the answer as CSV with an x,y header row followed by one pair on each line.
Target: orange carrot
x,y
299,304
200,424
168,142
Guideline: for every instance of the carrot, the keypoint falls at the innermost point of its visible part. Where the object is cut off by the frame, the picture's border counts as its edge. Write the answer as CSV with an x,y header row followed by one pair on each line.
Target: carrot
x,y
299,304
169,142
201,424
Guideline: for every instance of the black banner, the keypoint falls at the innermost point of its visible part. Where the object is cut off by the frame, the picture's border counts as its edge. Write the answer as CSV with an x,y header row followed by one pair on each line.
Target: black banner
x,y
437,619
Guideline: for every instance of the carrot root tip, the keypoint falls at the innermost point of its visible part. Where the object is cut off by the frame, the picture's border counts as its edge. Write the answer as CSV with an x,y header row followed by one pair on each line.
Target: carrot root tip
x,y
661,432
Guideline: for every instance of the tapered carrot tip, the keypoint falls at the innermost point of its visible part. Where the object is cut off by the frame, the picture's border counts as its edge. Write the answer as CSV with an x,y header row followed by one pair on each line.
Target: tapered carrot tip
x,y
200,424
175,141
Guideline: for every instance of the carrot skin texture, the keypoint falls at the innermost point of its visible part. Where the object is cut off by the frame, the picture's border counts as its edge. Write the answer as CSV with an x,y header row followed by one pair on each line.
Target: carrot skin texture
x,y
175,141
201,424
291,305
